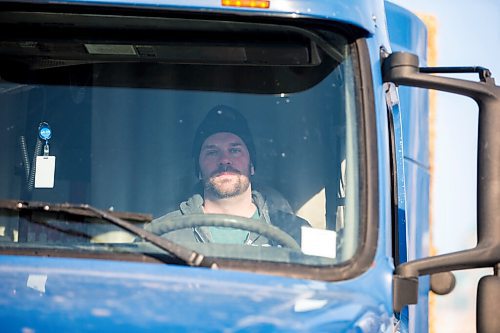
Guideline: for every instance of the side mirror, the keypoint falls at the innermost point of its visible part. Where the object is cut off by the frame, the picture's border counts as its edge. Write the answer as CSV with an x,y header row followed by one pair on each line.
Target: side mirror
x,y
488,296
402,69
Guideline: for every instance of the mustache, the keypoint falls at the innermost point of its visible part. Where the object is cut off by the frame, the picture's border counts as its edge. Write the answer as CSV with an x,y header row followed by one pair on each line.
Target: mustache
x,y
224,168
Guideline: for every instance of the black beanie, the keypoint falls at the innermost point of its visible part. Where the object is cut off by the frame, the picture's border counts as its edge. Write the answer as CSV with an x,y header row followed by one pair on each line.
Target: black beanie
x,y
222,118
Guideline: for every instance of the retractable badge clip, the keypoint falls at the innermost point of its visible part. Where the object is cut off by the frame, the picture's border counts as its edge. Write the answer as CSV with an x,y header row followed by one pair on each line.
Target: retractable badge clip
x,y
45,133
45,165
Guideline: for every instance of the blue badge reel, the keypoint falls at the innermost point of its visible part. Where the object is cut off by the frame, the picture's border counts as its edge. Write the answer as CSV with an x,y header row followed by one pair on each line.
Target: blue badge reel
x,y
46,164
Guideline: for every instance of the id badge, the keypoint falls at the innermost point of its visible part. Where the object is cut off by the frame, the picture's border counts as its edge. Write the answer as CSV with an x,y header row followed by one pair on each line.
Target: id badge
x,y
45,171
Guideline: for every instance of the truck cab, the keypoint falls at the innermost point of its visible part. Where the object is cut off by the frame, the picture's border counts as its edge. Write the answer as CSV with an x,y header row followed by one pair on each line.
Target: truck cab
x,y
102,105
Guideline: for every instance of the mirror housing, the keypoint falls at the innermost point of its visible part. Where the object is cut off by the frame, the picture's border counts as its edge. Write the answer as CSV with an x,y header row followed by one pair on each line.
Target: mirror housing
x,y
402,69
488,294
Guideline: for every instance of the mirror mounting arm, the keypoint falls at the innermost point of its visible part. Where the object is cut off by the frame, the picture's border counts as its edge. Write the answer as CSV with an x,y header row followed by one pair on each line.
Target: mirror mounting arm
x,y
402,69
484,73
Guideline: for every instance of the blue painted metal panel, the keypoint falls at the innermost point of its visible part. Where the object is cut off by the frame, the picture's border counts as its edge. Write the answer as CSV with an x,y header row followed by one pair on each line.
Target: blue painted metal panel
x,y
355,12
417,179
415,106
408,33
67,295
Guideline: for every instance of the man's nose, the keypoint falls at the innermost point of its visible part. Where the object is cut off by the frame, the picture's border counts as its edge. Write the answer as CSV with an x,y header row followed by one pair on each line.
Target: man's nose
x,y
224,158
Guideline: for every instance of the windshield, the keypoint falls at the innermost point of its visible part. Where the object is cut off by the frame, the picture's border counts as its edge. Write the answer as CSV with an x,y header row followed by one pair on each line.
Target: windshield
x,y
116,121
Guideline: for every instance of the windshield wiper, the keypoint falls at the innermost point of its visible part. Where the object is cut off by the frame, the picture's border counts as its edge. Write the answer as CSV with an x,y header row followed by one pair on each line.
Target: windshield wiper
x,y
188,256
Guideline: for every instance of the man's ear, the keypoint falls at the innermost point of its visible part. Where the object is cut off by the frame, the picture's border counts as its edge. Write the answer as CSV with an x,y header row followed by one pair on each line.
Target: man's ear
x,y
252,170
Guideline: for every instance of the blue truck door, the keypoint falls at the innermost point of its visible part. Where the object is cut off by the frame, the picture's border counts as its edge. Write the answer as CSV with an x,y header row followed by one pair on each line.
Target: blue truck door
x,y
408,33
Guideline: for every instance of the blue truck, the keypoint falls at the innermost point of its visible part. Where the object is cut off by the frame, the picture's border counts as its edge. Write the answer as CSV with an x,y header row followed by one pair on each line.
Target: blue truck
x,y
101,103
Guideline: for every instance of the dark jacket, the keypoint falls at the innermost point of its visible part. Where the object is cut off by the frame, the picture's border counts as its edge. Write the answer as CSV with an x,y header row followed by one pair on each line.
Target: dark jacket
x,y
286,221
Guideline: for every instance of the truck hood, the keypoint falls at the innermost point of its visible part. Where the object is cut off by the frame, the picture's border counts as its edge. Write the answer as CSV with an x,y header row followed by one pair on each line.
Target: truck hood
x,y
67,295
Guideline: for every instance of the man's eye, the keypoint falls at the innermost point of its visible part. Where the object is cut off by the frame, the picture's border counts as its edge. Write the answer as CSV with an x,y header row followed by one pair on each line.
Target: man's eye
x,y
235,150
210,152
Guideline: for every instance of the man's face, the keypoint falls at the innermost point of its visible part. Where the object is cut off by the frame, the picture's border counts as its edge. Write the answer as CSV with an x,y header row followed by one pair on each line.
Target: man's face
x,y
225,165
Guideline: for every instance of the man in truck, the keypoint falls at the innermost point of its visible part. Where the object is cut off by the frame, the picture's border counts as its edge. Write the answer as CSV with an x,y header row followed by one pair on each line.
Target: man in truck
x,y
225,157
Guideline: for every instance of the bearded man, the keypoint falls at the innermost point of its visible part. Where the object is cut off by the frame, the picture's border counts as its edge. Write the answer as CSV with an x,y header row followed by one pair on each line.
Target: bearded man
x,y
224,157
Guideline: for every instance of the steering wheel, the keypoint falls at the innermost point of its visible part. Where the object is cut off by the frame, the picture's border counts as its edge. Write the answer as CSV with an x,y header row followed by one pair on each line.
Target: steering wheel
x,y
220,220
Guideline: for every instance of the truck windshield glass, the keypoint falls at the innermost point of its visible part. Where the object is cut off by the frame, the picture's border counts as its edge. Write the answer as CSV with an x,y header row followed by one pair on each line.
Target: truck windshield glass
x,y
237,140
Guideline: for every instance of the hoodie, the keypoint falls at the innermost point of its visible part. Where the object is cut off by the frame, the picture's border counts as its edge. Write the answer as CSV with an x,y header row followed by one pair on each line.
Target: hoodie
x,y
282,219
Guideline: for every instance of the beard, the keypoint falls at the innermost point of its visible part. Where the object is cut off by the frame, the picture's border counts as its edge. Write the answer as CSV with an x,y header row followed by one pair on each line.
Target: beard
x,y
223,187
